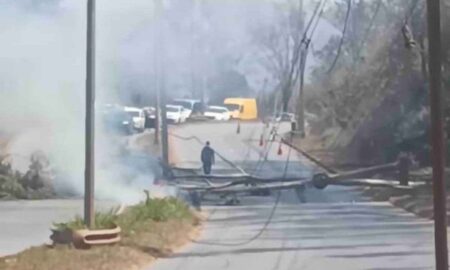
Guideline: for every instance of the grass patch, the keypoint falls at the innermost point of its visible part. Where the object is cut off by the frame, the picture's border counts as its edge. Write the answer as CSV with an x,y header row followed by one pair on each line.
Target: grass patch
x,y
149,230
103,220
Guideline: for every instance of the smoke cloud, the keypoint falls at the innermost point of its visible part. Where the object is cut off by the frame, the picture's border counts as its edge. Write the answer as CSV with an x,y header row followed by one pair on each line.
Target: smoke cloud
x,y
42,75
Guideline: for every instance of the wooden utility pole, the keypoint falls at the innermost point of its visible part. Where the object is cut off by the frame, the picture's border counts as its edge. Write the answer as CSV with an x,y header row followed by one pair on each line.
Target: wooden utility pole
x,y
303,55
157,114
437,133
89,173
162,84
156,79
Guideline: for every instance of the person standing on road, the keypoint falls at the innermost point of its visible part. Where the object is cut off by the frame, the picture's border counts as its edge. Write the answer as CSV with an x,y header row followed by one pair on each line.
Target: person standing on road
x,y
207,158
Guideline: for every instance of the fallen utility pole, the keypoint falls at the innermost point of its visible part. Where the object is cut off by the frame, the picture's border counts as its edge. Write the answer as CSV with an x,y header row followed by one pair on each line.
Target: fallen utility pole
x,y
437,134
89,173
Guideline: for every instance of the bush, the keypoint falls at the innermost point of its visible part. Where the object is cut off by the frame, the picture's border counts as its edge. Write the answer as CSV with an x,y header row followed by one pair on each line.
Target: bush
x,y
157,210
160,210
107,220
10,186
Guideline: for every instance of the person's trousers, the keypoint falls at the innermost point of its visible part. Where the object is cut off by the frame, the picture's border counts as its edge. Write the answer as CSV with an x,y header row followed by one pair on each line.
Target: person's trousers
x,y
207,168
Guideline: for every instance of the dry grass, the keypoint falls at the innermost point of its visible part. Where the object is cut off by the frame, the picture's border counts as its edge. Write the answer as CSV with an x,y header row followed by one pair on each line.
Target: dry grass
x,y
140,245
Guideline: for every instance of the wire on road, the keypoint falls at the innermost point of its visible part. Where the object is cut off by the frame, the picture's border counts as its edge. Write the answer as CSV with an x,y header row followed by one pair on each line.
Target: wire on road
x,y
266,223
217,153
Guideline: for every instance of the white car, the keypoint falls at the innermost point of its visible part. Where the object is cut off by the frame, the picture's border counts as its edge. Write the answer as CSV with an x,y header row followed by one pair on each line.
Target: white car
x,y
175,114
218,113
137,116
191,106
285,117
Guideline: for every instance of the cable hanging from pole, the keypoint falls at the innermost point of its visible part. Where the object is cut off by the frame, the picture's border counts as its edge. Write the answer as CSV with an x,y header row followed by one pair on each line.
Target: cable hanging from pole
x,y
341,42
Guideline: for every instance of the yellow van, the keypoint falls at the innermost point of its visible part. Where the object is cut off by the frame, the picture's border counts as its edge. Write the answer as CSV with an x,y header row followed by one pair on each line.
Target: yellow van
x,y
242,108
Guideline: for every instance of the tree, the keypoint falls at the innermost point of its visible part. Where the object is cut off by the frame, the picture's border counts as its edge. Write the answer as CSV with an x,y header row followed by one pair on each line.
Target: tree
x,y
280,43
227,83
375,96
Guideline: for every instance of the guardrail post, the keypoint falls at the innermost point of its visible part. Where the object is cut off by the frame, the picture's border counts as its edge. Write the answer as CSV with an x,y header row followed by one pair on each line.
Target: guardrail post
x,y
403,169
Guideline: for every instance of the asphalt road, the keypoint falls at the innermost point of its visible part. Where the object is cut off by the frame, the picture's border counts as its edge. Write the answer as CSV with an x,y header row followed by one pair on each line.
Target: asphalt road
x,y
335,228
27,223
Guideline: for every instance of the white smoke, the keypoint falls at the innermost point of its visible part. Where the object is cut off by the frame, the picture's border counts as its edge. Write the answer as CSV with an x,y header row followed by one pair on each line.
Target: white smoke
x,y
42,86
42,74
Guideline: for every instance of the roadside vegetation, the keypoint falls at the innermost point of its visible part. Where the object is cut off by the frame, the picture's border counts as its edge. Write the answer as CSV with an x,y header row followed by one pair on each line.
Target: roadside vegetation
x,y
151,229
34,184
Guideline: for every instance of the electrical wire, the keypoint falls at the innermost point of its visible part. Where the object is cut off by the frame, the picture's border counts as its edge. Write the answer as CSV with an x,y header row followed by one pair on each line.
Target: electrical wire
x,y
316,9
217,153
306,41
266,223
263,158
277,200
317,21
369,28
341,42
412,10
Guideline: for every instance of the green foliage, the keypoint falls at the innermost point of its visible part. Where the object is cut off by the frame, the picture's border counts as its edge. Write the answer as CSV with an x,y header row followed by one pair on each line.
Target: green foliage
x,y
161,209
106,220
76,224
10,186
158,210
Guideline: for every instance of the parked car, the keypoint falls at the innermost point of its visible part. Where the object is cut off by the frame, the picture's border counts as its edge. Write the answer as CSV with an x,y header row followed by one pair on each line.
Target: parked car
x,y
285,117
191,106
218,113
117,121
138,117
176,114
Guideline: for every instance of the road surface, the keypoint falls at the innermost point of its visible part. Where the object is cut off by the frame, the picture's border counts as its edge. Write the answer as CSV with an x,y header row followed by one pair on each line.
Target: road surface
x,y
335,228
27,223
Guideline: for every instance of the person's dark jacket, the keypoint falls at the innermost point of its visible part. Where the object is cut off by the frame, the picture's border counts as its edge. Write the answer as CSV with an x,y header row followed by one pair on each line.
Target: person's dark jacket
x,y
207,155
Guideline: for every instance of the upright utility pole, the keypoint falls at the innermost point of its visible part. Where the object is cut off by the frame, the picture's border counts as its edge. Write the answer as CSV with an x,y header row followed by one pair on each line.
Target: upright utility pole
x,y
156,79
303,55
204,53
89,173
162,83
157,114
437,133
301,98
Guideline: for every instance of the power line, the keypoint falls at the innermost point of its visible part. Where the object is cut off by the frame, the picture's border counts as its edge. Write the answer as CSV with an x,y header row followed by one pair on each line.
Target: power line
x,y
317,21
369,28
266,223
217,153
316,9
303,57
275,205
344,30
